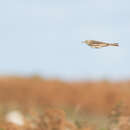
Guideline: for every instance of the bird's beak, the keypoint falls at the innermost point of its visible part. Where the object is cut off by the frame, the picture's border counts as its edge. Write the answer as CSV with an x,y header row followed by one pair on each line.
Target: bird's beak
x,y
82,41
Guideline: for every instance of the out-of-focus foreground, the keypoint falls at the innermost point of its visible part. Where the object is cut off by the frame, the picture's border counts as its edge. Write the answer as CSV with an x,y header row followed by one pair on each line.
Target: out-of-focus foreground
x,y
41,104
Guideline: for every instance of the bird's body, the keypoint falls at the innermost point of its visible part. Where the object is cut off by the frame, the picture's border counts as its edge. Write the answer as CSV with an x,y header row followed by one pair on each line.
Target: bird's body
x,y
98,44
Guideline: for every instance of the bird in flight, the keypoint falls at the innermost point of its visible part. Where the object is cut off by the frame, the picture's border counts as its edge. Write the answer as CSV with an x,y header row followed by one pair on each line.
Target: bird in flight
x,y
98,44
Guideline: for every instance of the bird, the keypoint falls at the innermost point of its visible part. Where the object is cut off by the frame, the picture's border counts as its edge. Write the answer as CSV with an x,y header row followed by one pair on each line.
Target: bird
x,y
98,44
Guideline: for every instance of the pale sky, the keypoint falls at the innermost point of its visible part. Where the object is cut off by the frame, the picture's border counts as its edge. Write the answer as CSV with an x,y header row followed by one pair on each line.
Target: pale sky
x,y
44,37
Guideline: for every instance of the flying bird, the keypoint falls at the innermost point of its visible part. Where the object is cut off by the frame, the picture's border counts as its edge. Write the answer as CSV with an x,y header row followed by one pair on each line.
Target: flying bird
x,y
98,44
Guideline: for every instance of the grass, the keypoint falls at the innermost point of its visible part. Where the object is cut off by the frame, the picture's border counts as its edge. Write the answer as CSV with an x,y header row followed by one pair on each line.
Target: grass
x,y
57,105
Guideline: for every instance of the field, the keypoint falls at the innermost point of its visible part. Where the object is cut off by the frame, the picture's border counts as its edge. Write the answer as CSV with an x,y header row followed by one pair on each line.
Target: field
x,y
45,104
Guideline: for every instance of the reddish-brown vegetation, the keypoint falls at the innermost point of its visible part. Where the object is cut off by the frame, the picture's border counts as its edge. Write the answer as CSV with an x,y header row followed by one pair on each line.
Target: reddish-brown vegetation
x,y
41,102
98,96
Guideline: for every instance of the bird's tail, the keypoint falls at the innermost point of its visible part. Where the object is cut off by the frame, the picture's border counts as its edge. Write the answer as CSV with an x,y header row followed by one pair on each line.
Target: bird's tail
x,y
114,44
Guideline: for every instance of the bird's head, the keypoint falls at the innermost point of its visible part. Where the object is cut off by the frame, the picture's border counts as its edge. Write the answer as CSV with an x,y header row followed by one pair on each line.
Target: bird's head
x,y
85,41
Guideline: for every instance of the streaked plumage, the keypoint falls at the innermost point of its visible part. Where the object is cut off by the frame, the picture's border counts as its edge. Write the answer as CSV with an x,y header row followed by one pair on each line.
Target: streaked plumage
x,y
98,44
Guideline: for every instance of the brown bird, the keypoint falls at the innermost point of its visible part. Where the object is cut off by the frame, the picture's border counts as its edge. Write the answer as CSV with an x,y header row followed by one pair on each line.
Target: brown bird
x,y
98,44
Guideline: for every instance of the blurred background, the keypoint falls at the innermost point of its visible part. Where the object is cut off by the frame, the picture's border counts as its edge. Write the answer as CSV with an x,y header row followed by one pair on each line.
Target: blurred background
x,y
43,64
44,38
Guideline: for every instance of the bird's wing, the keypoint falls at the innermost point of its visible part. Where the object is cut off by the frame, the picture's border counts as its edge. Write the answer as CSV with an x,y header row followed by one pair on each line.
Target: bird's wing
x,y
97,42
